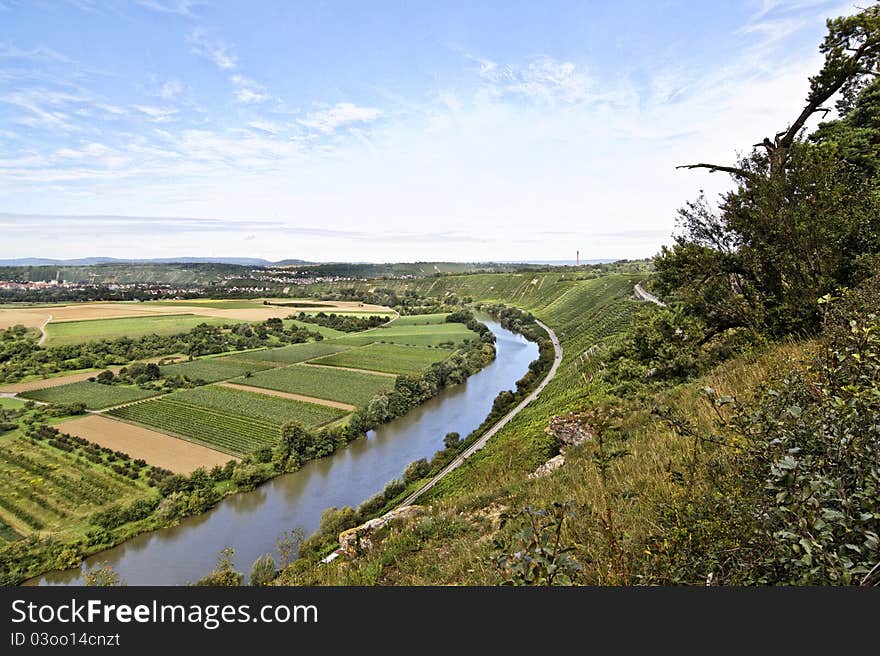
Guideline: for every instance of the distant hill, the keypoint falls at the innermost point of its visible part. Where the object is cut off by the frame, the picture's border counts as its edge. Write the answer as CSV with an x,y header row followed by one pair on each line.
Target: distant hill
x,y
90,261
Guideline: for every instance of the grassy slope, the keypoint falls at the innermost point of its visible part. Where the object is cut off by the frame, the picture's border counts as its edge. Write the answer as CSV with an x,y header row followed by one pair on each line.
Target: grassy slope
x,y
453,543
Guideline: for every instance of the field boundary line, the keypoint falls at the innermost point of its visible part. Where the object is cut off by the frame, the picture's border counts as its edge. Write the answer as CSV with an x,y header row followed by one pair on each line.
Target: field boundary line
x,y
288,395
312,363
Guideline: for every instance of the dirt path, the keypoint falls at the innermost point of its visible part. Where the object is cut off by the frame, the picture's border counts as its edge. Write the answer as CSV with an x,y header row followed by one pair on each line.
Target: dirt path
x,y
43,333
643,295
312,363
289,395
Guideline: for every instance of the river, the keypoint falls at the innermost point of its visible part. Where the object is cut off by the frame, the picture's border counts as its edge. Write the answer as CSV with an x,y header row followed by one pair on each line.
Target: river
x,y
250,522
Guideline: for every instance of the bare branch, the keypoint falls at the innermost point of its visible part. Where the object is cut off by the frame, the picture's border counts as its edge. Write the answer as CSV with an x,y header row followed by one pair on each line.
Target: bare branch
x,y
713,168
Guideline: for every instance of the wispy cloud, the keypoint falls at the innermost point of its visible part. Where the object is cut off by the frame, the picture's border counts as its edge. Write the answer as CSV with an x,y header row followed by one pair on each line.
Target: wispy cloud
x,y
248,91
540,79
11,51
158,114
329,119
179,7
214,49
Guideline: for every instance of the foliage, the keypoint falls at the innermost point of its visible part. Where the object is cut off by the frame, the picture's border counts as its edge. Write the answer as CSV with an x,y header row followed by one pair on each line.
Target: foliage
x,y
263,570
103,576
536,554
224,573
346,323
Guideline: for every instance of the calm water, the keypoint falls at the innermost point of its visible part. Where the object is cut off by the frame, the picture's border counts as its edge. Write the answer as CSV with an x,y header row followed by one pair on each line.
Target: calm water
x,y
250,522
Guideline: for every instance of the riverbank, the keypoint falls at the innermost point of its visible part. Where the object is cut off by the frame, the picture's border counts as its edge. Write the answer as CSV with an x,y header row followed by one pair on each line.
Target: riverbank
x,y
250,522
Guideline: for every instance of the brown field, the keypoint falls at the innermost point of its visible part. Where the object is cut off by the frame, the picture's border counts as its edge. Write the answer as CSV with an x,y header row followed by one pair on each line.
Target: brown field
x,y
290,395
34,317
156,448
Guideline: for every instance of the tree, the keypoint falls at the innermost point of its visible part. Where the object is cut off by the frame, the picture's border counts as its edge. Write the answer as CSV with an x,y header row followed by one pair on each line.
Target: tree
x,y
224,573
416,470
295,440
104,576
803,219
288,544
452,440
263,570
852,58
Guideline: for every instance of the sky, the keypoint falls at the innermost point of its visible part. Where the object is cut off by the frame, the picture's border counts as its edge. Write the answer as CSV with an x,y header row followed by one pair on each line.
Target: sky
x,y
382,131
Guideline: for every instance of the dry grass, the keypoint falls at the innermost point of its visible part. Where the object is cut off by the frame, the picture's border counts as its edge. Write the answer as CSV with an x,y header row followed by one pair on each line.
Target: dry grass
x,y
453,545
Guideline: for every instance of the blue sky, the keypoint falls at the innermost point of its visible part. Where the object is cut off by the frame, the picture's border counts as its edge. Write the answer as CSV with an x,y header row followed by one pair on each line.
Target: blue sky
x,y
381,131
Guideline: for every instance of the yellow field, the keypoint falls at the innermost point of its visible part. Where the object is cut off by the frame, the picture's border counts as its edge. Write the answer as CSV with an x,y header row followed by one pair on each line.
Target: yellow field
x,y
156,448
34,317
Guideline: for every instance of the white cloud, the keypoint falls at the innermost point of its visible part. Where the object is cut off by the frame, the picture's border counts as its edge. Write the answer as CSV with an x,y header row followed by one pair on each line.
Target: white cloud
x,y
214,49
341,114
247,91
157,114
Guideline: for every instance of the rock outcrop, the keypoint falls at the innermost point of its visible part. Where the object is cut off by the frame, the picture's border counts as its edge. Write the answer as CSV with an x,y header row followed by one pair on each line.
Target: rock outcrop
x,y
548,467
569,429
359,539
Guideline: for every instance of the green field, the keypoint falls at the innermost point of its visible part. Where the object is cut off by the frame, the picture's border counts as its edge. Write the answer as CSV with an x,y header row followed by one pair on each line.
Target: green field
x,y
295,352
11,404
258,406
420,319
213,369
216,429
75,332
94,395
45,488
388,358
411,335
353,387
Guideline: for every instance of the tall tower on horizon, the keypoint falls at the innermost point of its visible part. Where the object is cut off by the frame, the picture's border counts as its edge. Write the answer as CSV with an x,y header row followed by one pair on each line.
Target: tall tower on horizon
x,y
578,258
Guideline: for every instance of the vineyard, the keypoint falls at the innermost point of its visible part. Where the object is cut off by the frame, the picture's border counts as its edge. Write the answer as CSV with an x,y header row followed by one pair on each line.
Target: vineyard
x,y
294,353
95,396
354,387
211,370
258,406
215,429
50,486
387,358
